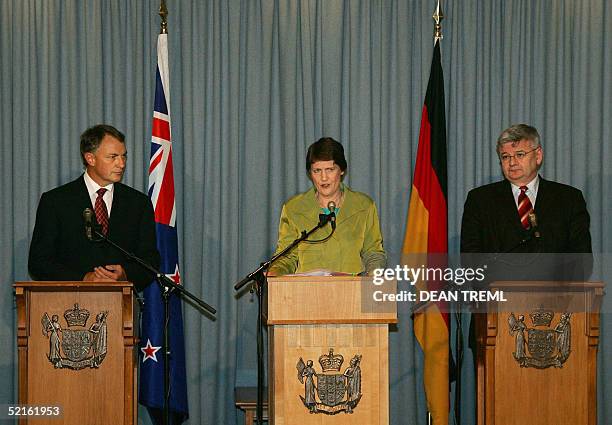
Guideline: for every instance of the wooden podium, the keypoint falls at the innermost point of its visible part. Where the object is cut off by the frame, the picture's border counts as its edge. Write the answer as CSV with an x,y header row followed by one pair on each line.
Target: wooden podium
x,y
324,333
75,344
536,354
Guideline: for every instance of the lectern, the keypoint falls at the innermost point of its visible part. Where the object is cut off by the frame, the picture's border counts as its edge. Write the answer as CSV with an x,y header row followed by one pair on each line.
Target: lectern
x,y
328,351
537,354
75,344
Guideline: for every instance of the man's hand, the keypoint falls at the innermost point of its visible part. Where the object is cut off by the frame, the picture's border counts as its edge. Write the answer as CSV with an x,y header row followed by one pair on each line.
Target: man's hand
x,y
108,273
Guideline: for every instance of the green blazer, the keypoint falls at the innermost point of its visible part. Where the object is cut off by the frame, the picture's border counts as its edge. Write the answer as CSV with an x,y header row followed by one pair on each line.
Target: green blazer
x,y
356,246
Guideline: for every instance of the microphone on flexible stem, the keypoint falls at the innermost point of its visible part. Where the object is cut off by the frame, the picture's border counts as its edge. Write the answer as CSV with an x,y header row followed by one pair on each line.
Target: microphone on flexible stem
x,y
331,206
533,222
88,216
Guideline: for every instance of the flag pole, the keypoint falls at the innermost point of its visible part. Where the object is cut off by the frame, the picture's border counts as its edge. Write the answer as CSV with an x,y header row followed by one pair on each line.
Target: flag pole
x,y
166,291
163,13
437,17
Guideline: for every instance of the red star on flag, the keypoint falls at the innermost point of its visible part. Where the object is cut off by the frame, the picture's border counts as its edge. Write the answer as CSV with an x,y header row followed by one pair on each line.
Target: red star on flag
x,y
176,277
149,351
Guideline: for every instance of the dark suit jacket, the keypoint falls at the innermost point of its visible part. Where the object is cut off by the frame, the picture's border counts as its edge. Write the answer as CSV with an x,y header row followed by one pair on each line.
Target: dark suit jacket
x,y
60,249
491,223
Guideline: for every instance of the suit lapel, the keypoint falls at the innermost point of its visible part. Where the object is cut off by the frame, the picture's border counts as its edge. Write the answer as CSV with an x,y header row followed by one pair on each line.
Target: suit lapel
x,y
309,207
119,209
544,199
350,207
547,205
507,205
82,194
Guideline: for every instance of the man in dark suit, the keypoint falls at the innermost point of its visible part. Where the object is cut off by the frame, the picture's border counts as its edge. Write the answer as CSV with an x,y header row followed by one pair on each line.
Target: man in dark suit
x,y
522,228
60,248
501,217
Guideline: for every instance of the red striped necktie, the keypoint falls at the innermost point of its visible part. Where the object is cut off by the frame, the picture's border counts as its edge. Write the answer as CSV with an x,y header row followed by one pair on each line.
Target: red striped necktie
x,y
101,210
524,207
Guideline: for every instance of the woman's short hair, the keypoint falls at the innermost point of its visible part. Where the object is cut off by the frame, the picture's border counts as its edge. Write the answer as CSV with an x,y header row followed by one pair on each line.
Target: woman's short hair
x,y
326,149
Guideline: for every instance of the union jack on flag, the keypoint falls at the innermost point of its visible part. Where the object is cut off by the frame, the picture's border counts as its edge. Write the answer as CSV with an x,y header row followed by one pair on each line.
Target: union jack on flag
x,y
161,192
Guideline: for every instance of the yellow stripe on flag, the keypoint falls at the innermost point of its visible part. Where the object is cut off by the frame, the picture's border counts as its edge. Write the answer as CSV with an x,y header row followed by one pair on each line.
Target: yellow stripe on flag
x,y
415,239
432,333
429,327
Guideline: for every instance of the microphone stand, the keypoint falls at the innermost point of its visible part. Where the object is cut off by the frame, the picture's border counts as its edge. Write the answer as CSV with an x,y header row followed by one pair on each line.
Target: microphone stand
x,y
168,286
259,277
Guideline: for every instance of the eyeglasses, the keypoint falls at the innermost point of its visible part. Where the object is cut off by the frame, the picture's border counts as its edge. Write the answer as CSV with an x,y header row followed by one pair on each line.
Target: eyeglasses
x,y
518,155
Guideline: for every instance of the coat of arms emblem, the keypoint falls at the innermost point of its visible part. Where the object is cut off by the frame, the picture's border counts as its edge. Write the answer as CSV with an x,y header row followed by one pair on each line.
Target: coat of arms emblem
x,y
546,347
333,392
75,346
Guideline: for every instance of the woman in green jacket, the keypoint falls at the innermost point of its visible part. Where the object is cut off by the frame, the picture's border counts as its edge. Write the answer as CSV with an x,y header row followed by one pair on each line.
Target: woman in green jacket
x,y
356,246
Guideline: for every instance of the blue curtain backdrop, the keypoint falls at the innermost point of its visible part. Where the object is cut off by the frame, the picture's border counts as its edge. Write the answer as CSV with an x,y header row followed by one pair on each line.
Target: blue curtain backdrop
x,y
254,82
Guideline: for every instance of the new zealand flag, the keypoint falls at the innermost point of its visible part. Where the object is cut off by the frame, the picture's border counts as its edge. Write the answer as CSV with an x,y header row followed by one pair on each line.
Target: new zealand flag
x,y
161,191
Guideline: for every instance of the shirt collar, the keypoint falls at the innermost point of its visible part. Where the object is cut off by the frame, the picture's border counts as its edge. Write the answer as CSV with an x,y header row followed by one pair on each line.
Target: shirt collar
x,y
532,187
92,186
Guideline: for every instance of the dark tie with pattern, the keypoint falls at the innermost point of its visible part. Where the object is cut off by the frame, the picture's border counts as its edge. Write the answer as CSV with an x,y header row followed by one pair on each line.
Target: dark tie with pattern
x,y
524,207
101,211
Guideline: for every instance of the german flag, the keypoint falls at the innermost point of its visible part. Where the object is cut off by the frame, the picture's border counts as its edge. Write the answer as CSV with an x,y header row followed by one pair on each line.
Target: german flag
x,y
426,234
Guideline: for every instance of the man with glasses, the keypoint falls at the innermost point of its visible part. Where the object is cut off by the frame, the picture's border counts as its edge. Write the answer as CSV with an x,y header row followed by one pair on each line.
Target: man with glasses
x,y
513,214
513,226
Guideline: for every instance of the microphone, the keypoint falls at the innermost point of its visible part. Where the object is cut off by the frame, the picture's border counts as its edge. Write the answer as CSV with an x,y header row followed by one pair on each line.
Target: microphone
x,y
533,222
88,216
331,206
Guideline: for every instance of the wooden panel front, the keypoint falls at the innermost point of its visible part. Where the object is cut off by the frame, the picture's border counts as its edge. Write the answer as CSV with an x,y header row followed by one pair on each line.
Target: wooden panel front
x,y
509,394
290,342
337,299
541,396
93,396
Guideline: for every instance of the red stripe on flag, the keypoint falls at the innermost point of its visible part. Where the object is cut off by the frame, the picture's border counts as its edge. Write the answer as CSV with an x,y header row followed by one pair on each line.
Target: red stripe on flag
x,y
156,161
161,129
428,185
165,200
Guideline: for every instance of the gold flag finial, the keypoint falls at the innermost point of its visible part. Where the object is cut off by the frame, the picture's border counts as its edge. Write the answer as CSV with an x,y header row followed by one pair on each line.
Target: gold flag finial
x,y
437,17
163,13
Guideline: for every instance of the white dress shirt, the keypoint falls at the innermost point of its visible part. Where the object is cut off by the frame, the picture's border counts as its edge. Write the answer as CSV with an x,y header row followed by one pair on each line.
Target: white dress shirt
x,y
92,189
531,192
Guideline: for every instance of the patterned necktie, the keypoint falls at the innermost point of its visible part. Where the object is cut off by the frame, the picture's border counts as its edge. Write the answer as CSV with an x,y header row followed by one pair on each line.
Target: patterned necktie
x,y
524,207
101,211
